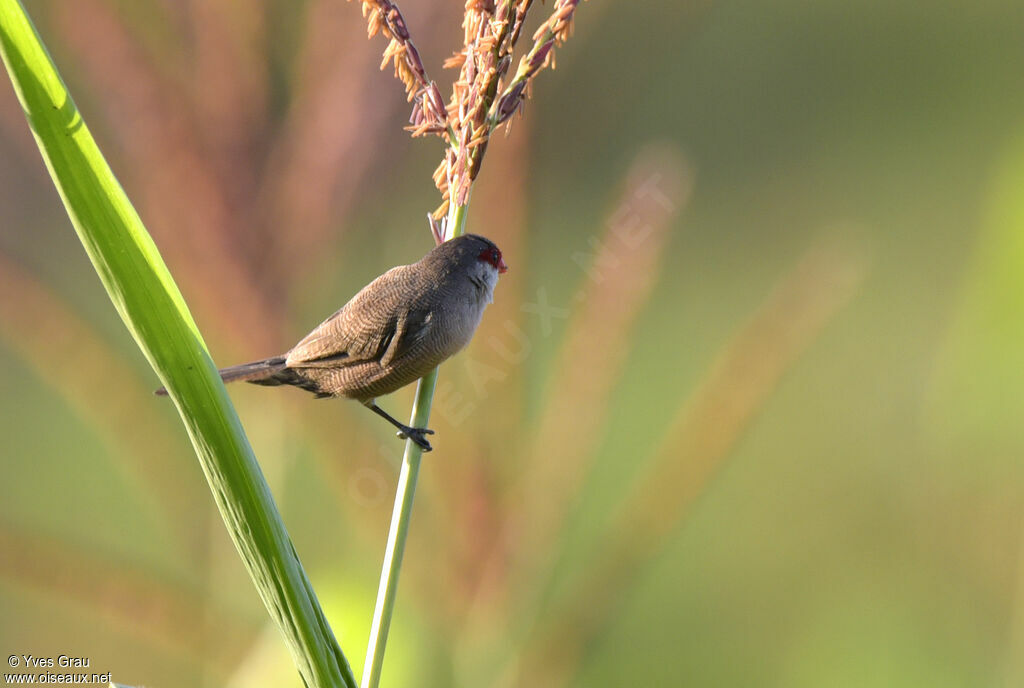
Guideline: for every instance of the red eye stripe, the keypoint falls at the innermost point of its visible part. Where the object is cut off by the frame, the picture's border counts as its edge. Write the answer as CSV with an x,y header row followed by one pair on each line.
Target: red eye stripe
x,y
493,256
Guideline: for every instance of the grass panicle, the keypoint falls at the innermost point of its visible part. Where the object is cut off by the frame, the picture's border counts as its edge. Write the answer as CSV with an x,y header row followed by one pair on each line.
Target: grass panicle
x,y
490,34
481,100
429,115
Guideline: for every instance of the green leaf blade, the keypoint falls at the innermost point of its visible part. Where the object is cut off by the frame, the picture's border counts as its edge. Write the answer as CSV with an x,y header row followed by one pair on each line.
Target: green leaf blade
x,y
151,306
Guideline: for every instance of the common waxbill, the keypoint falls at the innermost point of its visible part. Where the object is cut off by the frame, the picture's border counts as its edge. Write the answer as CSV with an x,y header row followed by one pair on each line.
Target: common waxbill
x,y
397,329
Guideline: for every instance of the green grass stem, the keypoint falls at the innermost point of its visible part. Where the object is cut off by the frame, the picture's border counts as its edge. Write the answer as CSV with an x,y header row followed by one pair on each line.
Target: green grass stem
x,y
402,512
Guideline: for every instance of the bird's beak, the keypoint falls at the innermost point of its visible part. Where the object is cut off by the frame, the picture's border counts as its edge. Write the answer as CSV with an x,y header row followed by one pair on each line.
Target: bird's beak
x,y
502,268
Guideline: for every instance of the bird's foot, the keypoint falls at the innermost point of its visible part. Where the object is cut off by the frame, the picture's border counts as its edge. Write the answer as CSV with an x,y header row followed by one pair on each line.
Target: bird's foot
x,y
417,435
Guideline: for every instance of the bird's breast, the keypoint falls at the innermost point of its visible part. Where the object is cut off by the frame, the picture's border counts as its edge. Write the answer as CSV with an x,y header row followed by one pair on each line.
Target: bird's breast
x,y
457,322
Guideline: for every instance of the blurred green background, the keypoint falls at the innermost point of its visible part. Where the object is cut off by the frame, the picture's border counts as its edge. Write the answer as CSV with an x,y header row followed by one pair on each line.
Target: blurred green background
x,y
747,410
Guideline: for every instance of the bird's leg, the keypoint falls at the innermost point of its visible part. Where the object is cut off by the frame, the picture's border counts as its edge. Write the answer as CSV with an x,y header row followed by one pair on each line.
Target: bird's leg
x,y
416,434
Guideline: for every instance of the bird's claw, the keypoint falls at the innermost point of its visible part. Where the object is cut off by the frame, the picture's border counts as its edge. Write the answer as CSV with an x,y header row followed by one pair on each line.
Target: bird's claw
x,y
417,435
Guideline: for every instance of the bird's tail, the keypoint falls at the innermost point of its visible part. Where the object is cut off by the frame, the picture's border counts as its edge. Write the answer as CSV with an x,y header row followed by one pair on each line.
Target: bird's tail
x,y
259,372
269,371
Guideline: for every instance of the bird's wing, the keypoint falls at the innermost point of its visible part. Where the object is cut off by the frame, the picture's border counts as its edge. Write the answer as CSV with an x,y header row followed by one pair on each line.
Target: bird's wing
x,y
377,324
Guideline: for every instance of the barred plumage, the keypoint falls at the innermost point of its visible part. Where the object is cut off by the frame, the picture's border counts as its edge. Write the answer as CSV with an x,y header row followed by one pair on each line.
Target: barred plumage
x,y
397,329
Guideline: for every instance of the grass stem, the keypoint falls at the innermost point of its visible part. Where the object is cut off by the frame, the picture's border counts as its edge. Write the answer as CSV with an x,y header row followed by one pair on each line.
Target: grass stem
x,y
402,511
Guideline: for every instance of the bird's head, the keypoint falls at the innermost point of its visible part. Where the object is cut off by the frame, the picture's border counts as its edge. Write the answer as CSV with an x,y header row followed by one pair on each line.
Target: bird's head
x,y
485,263
492,256
475,257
